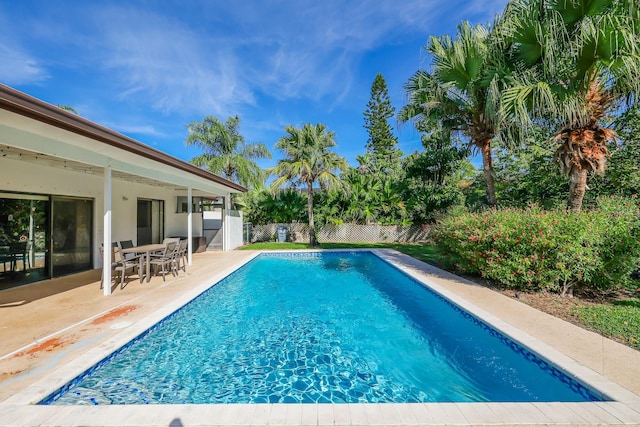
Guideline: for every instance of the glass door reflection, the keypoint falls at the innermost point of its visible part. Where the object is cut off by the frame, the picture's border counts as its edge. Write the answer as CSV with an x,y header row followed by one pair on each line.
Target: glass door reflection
x,y
71,227
24,254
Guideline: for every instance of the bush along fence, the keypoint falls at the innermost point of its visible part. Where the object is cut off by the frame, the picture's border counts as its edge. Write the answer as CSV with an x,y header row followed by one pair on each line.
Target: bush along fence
x,y
557,251
341,233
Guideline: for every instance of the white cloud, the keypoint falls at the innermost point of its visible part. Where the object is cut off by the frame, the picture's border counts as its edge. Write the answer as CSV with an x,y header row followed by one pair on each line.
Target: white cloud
x,y
219,57
162,60
17,68
310,49
283,49
146,130
483,10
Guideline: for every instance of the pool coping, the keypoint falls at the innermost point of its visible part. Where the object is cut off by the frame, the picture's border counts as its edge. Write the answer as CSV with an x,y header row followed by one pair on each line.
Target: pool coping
x,y
20,409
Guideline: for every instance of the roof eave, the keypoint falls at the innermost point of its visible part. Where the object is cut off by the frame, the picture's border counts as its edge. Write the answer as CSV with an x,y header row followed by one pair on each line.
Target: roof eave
x,y
28,106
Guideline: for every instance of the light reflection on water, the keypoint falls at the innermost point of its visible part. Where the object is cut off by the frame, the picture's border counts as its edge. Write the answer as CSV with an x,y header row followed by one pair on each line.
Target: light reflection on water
x,y
330,328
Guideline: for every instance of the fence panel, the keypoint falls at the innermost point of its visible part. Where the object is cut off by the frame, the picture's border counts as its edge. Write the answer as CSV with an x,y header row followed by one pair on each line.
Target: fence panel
x,y
343,233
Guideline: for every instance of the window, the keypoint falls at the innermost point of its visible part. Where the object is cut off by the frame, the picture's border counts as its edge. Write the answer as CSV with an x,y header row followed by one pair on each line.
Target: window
x,y
150,223
196,204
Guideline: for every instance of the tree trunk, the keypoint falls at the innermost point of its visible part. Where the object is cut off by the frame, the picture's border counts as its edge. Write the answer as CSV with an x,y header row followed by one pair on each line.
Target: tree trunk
x,y
577,188
312,230
487,167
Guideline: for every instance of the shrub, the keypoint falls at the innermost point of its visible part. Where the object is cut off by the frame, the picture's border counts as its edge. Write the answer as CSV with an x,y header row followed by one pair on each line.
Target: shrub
x,y
555,250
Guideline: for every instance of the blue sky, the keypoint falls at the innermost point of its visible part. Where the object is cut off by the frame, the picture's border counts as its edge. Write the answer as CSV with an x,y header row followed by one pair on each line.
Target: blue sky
x,y
148,68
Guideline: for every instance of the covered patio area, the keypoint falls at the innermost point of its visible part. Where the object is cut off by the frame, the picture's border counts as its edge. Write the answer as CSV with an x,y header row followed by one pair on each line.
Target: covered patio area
x,y
68,186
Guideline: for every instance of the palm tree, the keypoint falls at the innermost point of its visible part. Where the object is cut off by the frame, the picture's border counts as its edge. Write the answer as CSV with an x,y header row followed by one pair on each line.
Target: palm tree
x,y
308,161
456,94
68,108
575,63
364,197
225,151
284,206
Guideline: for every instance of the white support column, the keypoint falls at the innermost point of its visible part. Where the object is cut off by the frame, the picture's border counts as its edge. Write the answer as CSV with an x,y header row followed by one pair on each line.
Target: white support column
x,y
189,227
226,226
106,260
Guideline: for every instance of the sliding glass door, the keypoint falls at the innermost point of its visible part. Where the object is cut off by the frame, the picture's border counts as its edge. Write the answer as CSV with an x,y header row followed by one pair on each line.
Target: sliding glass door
x,y
71,225
24,226
150,227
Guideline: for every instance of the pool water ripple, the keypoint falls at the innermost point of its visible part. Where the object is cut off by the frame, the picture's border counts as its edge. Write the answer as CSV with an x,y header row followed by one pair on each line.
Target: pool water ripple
x,y
335,328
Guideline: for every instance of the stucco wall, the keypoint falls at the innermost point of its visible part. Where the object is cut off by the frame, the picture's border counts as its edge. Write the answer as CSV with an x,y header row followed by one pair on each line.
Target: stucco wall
x,y
18,176
235,229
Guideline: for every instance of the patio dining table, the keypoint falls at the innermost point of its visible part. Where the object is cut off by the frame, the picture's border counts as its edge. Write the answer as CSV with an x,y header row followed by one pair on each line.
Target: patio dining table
x,y
145,251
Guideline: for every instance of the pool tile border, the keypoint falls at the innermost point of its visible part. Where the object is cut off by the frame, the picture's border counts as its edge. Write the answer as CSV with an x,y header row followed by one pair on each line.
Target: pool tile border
x,y
379,414
19,410
544,364
552,356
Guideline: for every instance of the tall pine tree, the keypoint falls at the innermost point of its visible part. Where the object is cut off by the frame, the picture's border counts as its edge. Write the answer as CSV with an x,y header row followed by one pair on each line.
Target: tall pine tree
x,y
383,155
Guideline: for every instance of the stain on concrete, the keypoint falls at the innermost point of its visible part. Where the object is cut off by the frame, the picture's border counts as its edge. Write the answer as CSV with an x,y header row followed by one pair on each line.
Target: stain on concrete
x,y
115,313
48,345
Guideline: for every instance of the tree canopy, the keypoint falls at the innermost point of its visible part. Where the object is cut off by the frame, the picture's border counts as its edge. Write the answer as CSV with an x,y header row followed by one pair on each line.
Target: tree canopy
x,y
455,93
573,63
226,152
308,160
382,153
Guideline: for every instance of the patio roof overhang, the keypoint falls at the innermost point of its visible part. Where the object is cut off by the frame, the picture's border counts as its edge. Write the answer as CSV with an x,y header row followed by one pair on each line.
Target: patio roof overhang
x,y
35,131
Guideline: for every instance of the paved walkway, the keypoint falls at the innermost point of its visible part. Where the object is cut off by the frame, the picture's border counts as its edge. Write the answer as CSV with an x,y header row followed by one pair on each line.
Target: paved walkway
x,y
46,326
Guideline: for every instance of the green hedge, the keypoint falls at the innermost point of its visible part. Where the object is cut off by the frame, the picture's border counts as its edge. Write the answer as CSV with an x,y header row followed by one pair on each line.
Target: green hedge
x,y
556,250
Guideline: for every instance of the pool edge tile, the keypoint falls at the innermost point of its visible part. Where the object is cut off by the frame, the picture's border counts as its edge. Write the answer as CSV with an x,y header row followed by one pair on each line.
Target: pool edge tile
x,y
557,413
277,415
293,414
261,415
309,414
357,414
341,415
405,415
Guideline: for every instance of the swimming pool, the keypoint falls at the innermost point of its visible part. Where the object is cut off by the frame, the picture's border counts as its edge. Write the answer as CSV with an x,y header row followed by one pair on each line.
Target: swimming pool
x,y
330,327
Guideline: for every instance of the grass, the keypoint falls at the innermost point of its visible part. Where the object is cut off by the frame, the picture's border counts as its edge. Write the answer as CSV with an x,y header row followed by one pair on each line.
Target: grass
x,y
619,320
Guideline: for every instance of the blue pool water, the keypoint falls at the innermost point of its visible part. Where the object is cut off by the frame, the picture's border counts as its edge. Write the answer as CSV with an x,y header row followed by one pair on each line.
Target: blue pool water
x,y
320,327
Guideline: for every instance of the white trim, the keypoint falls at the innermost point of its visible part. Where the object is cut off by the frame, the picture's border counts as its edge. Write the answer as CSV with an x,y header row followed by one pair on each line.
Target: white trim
x,y
226,241
26,196
106,260
20,132
189,226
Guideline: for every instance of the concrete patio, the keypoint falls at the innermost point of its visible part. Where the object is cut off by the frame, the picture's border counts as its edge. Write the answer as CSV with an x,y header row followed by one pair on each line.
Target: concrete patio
x,y
50,330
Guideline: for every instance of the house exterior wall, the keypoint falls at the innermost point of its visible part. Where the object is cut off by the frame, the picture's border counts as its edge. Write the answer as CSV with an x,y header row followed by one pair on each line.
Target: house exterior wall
x,y
176,223
26,177
19,176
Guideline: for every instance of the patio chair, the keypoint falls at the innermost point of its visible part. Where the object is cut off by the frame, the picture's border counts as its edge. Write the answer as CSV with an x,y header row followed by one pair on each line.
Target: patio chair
x,y
125,244
120,264
165,260
5,257
20,252
181,256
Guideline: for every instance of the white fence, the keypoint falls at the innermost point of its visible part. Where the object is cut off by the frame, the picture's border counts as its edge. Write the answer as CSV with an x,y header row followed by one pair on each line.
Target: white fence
x,y
235,229
343,233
